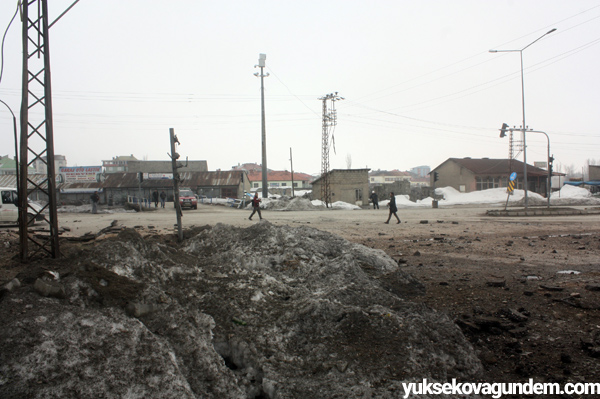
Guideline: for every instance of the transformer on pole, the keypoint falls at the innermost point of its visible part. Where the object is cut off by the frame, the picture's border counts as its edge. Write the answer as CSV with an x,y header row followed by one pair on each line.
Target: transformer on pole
x,y
37,136
329,121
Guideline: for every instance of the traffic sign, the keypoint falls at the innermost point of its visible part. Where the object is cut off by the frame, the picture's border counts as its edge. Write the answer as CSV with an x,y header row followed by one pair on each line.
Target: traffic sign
x,y
511,186
513,176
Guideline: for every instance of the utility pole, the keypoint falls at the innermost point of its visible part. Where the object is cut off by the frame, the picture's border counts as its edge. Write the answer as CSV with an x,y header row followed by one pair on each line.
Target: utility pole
x,y
329,121
262,75
174,157
37,88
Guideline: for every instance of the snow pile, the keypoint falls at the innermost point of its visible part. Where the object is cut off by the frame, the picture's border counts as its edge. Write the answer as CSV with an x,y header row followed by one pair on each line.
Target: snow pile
x,y
572,192
344,205
403,201
293,204
265,311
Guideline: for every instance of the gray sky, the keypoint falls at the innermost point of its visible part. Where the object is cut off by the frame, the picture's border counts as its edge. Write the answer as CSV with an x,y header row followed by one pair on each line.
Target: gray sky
x,y
419,83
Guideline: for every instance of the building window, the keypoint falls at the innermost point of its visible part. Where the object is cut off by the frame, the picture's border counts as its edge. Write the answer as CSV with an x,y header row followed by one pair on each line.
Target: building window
x,y
283,184
486,183
255,185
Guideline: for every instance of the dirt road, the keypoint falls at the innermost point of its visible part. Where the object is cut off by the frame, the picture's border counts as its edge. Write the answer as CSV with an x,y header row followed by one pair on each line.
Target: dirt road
x,y
525,291
347,223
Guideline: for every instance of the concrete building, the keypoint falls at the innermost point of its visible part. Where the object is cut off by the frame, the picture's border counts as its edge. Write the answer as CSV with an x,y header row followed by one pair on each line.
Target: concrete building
x,y
388,176
8,166
41,168
117,186
594,172
165,166
281,180
473,174
118,164
249,167
347,185
130,164
421,171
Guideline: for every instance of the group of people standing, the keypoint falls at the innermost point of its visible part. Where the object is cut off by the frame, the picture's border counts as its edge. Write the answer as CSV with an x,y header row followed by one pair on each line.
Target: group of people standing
x,y
391,205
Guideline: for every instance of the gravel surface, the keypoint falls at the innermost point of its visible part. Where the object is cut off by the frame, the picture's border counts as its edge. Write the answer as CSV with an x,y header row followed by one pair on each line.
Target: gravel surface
x,y
524,291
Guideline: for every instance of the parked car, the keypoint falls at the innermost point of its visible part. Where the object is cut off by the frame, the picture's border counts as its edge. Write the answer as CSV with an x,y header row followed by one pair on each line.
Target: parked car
x,y
9,213
187,199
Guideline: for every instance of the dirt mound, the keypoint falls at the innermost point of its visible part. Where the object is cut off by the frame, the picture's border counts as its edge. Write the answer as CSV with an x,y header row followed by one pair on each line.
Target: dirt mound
x,y
265,311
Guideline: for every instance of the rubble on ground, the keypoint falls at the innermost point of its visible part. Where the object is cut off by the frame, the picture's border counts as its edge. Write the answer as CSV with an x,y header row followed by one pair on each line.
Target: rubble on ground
x,y
259,312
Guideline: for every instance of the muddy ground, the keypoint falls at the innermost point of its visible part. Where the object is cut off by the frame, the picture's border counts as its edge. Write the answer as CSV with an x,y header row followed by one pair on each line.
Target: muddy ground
x,y
524,291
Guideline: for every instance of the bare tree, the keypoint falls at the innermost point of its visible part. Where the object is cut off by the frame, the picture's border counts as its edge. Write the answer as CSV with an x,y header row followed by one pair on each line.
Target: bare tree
x,y
570,171
348,161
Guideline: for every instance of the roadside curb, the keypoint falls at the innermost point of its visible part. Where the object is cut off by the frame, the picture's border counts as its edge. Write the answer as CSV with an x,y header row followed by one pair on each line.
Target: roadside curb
x,y
557,211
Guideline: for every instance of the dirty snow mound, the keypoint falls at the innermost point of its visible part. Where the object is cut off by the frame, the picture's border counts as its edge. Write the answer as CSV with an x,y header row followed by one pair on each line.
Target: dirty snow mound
x,y
265,311
294,204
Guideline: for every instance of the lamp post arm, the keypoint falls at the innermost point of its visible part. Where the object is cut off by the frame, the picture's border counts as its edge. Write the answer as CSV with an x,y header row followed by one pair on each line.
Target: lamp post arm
x,y
539,38
16,148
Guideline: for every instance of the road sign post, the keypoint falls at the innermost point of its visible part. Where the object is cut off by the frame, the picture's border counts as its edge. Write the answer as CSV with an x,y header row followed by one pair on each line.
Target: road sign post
x,y
511,187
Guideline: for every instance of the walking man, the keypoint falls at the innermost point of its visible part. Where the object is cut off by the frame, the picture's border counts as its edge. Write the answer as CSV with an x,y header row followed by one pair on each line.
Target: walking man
x,y
255,206
375,200
155,198
163,198
393,209
95,198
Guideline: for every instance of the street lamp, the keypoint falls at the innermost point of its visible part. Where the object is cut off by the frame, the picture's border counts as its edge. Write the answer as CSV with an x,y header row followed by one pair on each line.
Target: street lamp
x,y
524,128
16,148
262,75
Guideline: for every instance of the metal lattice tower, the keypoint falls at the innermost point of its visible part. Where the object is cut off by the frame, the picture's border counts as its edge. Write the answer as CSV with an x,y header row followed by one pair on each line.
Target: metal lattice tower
x,y
329,121
511,149
37,136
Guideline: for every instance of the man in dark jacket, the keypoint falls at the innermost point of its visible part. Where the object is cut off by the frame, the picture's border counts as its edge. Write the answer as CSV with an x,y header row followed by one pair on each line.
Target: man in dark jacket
x,y
255,206
163,198
95,198
375,200
155,198
393,209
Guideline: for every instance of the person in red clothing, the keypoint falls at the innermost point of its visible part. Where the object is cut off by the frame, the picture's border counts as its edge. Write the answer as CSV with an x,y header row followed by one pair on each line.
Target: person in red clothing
x,y
255,206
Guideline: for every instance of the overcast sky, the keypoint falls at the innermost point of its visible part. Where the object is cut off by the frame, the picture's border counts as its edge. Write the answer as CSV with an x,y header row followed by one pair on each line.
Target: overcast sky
x,y
419,82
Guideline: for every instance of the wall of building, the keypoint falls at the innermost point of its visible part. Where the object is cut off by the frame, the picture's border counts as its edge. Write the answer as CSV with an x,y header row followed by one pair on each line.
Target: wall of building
x,y
453,175
594,172
351,186
165,166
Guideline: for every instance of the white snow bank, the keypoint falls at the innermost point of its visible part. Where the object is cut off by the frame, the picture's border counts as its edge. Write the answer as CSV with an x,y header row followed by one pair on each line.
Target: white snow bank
x,y
489,196
336,205
568,191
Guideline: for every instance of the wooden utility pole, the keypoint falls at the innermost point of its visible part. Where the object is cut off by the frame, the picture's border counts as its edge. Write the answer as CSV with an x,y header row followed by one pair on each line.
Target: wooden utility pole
x,y
174,157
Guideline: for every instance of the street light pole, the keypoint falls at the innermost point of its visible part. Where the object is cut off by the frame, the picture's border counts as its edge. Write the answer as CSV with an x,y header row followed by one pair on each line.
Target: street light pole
x,y
16,148
524,127
262,75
